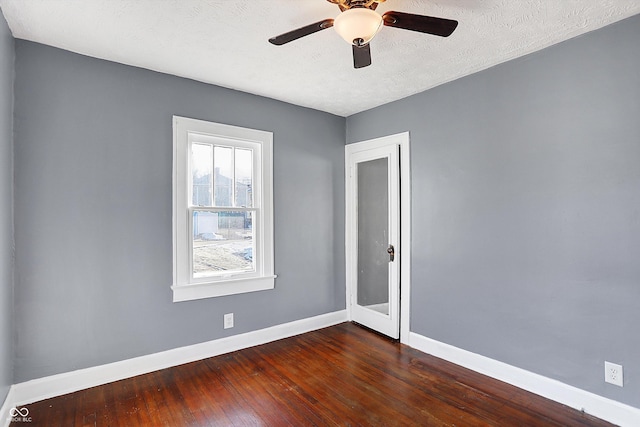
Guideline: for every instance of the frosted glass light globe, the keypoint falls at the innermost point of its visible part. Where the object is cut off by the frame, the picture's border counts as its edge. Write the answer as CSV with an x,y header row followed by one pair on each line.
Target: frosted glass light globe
x,y
358,23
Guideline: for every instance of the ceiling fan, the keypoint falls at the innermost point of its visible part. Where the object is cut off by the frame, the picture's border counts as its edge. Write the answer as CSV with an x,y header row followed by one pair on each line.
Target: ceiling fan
x,y
358,23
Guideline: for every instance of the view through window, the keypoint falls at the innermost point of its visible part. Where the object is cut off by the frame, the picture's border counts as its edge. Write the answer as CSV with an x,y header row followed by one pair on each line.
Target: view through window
x,y
223,239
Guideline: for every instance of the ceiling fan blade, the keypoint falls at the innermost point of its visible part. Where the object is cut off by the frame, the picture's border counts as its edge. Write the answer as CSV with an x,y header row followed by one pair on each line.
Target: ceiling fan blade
x,y
361,56
423,24
301,32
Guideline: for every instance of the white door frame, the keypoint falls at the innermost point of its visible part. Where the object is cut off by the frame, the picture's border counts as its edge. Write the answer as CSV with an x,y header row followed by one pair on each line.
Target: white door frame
x,y
402,141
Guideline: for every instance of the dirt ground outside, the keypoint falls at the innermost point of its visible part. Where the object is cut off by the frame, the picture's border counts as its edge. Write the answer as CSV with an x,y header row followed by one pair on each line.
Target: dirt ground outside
x,y
231,251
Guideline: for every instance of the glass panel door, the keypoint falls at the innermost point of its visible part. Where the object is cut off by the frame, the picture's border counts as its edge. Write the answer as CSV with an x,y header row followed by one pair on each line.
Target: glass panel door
x,y
373,208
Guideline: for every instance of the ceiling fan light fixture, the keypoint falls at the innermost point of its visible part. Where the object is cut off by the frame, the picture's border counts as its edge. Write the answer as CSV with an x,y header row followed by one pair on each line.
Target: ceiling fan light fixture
x,y
358,25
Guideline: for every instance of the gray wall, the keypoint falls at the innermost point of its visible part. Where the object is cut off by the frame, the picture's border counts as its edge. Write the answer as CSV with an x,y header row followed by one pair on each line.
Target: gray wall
x,y
526,209
93,150
6,208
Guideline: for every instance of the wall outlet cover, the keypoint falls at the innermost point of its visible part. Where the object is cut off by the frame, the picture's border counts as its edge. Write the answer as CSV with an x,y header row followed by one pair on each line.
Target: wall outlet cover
x,y
613,373
228,320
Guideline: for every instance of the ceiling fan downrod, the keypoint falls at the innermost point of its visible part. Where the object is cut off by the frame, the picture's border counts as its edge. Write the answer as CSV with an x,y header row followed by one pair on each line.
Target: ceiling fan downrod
x,y
350,4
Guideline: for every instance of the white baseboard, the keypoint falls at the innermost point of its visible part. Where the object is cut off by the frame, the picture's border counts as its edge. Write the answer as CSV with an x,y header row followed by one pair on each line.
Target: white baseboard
x,y
69,382
5,409
593,404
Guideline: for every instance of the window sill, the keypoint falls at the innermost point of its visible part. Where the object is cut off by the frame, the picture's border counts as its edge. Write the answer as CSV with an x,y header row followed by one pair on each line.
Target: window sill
x,y
222,288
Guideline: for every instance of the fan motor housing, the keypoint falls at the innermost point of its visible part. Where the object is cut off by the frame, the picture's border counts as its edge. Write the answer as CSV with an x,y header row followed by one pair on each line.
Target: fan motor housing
x,y
349,4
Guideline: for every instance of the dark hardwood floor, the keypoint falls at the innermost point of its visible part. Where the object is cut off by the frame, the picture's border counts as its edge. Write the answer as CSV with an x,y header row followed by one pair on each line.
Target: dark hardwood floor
x,y
343,375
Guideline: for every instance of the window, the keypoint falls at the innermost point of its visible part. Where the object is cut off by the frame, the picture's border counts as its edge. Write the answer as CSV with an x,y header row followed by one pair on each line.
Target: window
x,y
222,210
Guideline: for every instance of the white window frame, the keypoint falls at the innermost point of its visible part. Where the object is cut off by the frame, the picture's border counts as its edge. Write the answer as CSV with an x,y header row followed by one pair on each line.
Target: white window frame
x,y
186,287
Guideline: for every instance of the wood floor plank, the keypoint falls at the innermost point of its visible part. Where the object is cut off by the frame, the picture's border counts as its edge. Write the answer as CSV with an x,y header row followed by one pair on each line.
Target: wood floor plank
x,y
387,377
344,375
158,409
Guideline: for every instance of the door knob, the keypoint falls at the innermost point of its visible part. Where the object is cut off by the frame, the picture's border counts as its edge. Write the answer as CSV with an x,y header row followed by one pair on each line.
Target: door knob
x,y
392,253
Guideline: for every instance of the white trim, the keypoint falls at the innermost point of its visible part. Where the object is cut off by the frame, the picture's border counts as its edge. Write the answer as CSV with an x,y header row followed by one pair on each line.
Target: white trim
x,y
185,132
69,382
593,404
403,141
405,236
57,385
5,416
217,289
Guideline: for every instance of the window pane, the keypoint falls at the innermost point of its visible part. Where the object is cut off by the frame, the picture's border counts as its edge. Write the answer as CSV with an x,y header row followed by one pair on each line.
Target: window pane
x,y
223,179
202,160
244,174
223,243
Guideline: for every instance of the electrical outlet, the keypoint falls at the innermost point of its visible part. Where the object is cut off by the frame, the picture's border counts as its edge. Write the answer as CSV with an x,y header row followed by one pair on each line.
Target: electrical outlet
x,y
613,373
228,320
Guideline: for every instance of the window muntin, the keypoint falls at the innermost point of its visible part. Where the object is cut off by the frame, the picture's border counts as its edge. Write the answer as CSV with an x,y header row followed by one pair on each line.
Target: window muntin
x,y
223,209
222,240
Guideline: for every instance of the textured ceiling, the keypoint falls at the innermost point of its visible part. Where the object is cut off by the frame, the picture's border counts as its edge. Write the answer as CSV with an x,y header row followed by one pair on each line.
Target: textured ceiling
x,y
224,42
